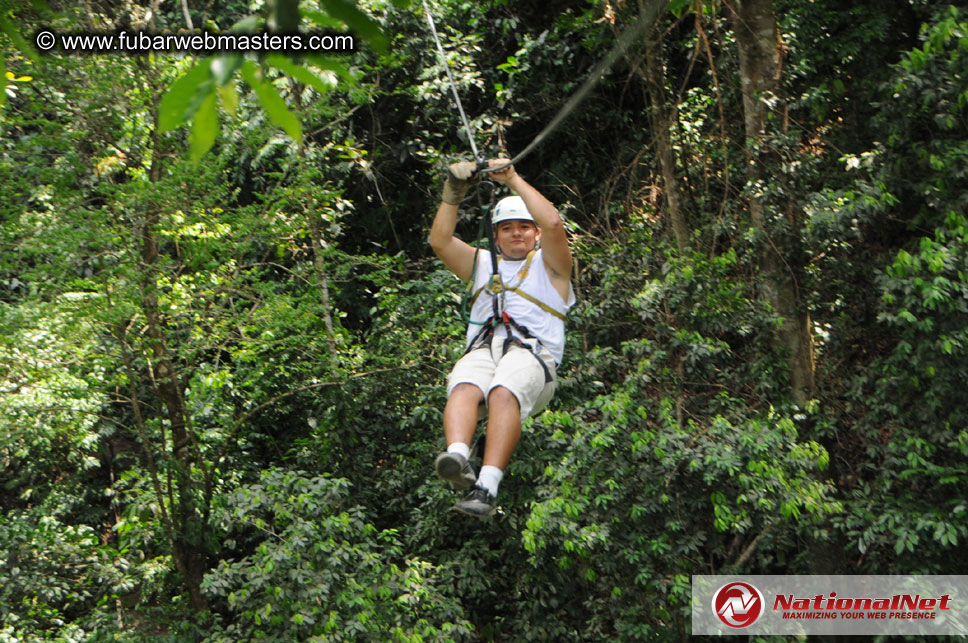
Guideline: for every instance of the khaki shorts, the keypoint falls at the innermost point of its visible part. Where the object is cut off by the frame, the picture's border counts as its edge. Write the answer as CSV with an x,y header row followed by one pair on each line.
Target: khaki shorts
x,y
518,371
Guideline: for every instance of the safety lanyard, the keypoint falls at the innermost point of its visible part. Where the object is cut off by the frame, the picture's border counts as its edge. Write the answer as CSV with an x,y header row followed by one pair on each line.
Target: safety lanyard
x,y
646,19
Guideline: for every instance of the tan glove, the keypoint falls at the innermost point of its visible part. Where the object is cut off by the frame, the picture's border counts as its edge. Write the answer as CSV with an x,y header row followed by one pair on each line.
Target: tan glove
x,y
460,177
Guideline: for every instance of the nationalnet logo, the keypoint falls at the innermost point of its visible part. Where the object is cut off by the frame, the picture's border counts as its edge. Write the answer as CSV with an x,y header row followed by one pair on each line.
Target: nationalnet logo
x,y
836,604
831,606
738,604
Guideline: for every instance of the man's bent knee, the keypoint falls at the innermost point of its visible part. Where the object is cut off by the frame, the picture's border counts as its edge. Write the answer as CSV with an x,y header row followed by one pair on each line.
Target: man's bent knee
x,y
465,400
467,392
501,396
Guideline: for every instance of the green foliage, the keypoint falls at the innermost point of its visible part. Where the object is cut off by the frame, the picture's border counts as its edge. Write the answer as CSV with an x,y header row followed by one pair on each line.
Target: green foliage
x,y
52,575
313,568
905,477
10,30
49,416
635,491
222,377
928,90
920,403
193,96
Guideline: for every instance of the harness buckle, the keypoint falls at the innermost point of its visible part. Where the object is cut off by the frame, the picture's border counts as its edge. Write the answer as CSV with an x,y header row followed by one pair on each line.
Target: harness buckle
x,y
499,303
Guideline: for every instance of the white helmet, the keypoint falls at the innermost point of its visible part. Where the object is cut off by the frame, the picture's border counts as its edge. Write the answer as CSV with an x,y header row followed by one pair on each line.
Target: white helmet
x,y
511,207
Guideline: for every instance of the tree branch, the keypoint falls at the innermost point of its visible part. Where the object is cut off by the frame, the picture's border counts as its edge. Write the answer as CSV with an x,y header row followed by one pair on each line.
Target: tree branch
x,y
278,398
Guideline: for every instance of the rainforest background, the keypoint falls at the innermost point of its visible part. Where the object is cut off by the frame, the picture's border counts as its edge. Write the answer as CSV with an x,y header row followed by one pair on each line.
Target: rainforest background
x,y
223,336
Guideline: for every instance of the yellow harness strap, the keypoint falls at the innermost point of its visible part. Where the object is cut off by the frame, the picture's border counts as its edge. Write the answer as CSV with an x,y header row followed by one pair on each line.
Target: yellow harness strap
x,y
498,287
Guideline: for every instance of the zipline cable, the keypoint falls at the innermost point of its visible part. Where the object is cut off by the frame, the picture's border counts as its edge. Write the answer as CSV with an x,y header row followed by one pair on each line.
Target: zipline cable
x,y
453,85
485,225
646,19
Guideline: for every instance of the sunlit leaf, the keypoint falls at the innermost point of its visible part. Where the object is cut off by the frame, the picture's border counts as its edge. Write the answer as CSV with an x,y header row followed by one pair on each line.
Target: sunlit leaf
x,y
284,15
333,65
204,128
678,7
272,102
358,21
224,67
248,24
322,19
13,32
300,73
185,96
230,97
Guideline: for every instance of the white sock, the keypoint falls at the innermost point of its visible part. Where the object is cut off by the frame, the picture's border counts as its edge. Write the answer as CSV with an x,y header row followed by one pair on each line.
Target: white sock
x,y
459,448
490,478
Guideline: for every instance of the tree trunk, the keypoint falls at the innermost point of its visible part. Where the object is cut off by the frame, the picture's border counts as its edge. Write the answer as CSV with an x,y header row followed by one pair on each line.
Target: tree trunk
x,y
760,64
322,281
186,536
663,118
187,549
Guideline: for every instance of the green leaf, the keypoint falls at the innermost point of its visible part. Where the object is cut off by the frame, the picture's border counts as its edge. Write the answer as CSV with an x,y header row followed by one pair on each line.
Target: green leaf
x,y
185,96
230,98
300,73
204,128
272,102
322,19
358,21
13,32
678,7
284,16
223,68
249,24
333,65
899,545
3,74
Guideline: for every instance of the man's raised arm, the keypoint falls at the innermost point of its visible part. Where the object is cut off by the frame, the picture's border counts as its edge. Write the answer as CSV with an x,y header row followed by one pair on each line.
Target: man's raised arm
x,y
554,240
457,255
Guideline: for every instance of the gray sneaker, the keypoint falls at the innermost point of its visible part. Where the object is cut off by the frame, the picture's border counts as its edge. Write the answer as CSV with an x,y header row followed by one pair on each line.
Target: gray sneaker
x,y
455,469
478,503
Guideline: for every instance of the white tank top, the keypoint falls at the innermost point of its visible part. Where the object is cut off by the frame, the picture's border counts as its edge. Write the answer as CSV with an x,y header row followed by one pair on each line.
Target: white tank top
x,y
549,330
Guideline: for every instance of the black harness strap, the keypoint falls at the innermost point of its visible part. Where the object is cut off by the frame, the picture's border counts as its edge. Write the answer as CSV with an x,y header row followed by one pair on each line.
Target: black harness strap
x,y
485,337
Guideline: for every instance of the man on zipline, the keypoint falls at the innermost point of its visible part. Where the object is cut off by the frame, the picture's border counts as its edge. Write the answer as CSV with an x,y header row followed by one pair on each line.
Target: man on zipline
x,y
511,357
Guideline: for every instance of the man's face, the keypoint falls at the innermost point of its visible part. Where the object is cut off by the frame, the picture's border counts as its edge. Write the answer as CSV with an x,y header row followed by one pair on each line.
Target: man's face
x,y
517,237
